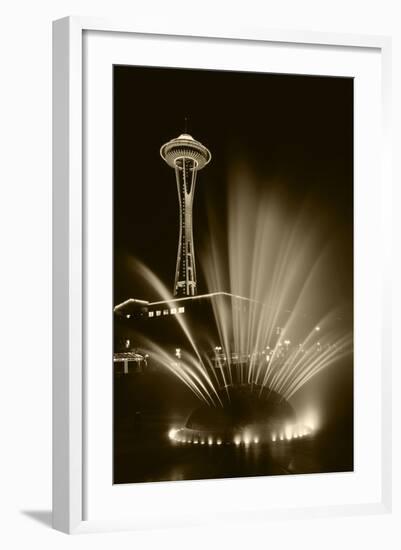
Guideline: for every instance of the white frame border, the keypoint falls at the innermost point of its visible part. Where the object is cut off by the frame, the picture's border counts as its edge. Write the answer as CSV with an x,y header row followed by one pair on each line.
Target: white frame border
x,y
68,257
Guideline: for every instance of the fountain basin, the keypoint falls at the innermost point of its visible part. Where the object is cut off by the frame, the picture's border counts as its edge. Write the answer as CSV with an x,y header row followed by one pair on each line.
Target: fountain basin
x,y
248,416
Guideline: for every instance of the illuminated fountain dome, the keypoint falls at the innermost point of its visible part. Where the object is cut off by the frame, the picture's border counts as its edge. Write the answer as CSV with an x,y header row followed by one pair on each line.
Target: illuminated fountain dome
x,y
247,417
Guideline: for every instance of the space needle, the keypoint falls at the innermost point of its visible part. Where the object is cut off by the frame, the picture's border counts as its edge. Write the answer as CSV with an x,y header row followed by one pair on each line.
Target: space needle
x,y
186,156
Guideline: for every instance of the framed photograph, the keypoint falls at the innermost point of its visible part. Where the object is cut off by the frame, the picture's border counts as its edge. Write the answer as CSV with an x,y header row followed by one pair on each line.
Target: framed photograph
x,y
221,321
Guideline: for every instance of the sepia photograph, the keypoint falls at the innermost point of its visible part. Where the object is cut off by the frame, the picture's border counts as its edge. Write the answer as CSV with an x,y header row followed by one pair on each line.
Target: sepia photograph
x,y
233,277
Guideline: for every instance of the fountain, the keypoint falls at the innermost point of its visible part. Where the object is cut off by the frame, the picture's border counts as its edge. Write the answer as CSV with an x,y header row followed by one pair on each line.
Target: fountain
x,y
266,326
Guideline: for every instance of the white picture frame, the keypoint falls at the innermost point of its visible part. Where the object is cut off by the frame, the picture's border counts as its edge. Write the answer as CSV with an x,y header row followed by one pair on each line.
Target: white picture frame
x,y
70,257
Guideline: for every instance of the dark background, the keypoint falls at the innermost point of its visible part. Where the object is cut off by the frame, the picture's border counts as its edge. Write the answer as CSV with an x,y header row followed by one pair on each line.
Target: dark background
x,y
297,130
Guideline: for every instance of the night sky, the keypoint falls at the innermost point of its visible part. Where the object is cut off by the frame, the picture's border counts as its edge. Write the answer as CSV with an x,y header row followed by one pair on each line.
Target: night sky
x,y
297,130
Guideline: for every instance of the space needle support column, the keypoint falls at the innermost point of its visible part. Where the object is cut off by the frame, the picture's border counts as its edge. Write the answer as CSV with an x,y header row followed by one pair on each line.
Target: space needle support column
x,y
186,156
185,272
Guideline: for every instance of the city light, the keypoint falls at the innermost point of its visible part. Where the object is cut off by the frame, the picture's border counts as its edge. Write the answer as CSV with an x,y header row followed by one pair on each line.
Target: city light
x,y
288,433
172,433
311,419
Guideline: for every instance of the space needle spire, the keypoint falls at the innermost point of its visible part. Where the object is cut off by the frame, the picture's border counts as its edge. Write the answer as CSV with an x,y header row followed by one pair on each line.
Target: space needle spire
x,y
187,156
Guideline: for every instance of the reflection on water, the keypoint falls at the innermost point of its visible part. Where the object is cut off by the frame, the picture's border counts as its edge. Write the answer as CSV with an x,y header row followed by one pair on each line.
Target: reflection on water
x,y
143,451
151,457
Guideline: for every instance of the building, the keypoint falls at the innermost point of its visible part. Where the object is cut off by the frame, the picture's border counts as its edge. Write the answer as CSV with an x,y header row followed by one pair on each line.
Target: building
x,y
177,325
186,156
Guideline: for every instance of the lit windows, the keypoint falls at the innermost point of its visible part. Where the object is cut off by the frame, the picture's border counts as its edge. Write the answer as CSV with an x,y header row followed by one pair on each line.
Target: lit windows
x,y
160,312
